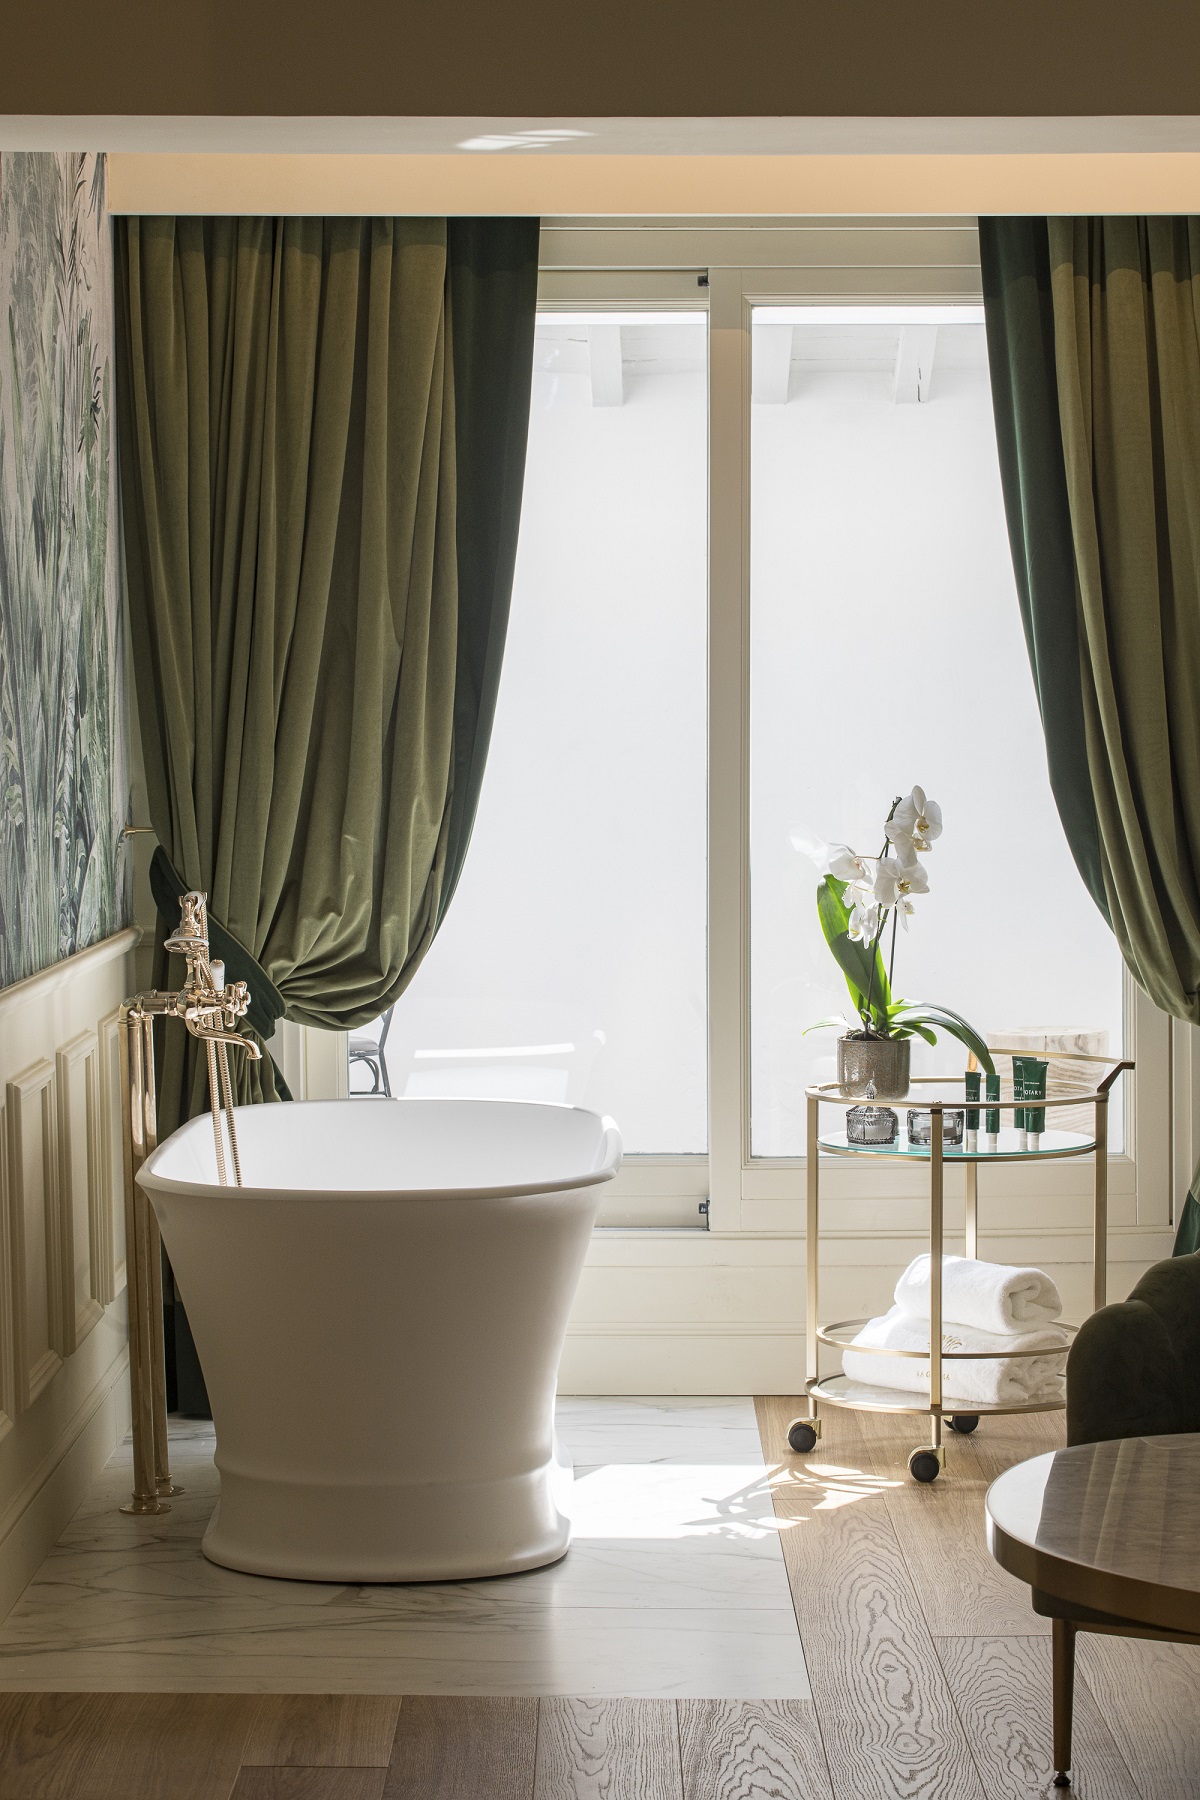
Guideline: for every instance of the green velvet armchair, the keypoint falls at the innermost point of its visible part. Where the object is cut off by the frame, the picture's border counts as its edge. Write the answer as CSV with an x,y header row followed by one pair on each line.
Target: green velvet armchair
x,y
1134,1368
1133,1371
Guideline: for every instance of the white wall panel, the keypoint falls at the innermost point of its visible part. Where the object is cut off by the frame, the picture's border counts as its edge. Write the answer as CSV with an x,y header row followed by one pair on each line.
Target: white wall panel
x,y
111,1236
8,1403
36,1227
63,1392
80,1181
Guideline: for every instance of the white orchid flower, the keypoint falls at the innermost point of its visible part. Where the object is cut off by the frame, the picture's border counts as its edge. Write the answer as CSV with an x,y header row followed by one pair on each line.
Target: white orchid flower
x,y
845,864
864,921
903,910
898,880
917,819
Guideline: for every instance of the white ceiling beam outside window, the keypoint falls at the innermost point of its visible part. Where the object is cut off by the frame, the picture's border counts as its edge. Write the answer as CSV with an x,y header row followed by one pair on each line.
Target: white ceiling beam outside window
x,y
772,364
914,363
605,365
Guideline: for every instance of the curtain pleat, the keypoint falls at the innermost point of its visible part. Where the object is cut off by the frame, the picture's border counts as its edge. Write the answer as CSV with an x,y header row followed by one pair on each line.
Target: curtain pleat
x,y
493,283
1020,333
289,402
1122,334
1128,358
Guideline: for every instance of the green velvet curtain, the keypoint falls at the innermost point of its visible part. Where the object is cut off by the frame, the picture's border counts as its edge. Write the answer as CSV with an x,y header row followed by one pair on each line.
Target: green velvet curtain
x,y
1094,341
322,430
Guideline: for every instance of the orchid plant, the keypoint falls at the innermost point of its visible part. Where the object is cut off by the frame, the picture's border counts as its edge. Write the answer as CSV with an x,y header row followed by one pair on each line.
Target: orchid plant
x,y
861,902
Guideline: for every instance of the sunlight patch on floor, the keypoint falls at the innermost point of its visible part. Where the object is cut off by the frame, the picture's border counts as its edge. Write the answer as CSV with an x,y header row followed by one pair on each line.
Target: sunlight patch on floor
x,y
831,1484
672,1500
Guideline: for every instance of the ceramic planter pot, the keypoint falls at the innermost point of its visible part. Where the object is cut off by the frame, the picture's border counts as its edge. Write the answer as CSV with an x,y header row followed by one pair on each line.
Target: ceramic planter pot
x,y
883,1061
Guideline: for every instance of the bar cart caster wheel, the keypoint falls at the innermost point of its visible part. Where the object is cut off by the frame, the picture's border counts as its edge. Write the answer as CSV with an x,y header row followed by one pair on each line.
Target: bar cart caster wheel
x,y
802,1435
924,1464
964,1422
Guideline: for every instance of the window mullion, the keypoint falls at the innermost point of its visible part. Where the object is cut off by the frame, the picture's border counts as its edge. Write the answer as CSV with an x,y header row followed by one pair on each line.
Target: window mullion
x,y
728,737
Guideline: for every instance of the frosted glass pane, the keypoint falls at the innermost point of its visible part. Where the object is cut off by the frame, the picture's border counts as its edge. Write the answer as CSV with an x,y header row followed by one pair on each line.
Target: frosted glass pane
x,y
571,965
887,650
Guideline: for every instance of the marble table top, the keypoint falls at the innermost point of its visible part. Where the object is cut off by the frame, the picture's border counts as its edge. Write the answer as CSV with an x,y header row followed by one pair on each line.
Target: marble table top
x,y
1114,1527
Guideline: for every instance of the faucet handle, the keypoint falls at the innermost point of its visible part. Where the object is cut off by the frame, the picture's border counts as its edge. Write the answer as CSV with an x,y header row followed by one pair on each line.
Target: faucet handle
x,y
236,997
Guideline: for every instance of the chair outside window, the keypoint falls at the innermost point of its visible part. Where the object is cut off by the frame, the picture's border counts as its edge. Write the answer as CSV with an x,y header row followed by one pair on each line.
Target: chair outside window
x,y
369,1050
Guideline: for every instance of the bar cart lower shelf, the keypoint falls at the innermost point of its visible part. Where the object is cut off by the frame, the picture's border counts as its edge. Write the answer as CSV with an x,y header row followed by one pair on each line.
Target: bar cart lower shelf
x,y
938,1096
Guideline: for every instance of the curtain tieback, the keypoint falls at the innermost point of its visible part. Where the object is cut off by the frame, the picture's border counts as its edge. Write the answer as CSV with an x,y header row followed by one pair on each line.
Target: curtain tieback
x,y
266,1002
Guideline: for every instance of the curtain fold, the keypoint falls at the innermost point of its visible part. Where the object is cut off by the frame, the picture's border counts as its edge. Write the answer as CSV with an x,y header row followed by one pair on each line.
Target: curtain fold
x,y
1020,332
493,277
1121,333
321,430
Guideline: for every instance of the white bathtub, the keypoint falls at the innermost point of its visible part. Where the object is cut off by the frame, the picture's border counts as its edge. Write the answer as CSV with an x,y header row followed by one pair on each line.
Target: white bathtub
x,y
379,1314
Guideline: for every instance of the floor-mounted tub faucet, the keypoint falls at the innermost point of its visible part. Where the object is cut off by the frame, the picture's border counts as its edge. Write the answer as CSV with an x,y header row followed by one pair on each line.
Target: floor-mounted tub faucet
x,y
211,1009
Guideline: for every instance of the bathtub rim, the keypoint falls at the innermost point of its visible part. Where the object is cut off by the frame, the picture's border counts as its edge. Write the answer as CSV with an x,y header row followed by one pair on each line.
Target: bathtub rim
x,y
608,1163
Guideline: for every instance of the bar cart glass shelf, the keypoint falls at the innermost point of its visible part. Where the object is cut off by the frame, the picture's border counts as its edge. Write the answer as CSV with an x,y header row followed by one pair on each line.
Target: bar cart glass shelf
x,y
1053,1143
937,1096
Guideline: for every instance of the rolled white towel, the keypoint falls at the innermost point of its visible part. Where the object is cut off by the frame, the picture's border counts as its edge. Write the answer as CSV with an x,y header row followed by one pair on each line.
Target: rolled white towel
x,y
1007,1380
987,1296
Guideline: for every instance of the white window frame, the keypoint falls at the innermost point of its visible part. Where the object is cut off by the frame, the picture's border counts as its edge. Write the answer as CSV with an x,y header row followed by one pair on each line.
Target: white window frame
x,y
733,266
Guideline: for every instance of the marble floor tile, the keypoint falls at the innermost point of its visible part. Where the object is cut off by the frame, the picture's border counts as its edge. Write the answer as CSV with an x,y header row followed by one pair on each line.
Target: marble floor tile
x,y
674,1586
679,1428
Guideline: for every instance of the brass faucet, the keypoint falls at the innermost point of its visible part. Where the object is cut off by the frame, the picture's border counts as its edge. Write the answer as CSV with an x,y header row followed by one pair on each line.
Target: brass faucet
x,y
211,1009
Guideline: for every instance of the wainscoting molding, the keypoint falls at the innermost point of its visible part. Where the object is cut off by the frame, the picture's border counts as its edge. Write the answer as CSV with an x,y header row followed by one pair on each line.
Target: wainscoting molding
x,y
110,1241
8,1402
35,1231
63,1402
86,1207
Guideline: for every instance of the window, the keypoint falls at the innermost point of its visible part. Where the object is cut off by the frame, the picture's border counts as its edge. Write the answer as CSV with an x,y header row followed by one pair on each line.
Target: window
x,y
571,965
764,586
887,650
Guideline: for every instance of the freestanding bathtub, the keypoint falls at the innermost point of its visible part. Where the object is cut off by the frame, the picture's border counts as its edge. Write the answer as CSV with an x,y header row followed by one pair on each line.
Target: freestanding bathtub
x,y
380,1313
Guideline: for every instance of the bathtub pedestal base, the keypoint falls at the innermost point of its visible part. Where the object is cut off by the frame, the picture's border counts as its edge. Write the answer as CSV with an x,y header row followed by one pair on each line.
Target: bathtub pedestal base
x,y
354,1532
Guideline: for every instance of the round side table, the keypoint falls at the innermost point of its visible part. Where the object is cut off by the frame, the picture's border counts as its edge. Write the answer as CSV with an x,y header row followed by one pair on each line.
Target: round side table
x,y
1108,1537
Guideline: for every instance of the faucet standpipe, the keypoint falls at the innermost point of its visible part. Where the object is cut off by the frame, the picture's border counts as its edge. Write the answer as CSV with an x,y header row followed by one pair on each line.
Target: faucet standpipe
x,y
212,1010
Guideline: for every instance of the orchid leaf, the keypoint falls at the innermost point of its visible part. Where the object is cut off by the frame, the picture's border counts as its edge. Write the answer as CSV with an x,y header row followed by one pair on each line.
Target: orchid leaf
x,y
942,1019
854,959
965,1032
949,1013
838,1019
835,921
907,1027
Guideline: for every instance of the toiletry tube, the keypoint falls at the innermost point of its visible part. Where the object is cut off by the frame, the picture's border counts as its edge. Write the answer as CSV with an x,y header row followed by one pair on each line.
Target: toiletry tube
x,y
974,1081
1033,1087
1018,1063
991,1120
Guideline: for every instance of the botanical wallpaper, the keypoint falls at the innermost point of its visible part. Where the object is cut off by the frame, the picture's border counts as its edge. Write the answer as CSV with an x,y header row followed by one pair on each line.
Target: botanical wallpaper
x,y
64,788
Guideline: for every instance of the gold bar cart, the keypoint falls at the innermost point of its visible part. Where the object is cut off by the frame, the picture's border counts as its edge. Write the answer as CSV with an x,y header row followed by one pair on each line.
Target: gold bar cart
x,y
938,1095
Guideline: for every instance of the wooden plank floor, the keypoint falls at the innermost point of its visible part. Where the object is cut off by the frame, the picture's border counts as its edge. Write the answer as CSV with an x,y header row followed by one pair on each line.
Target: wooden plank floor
x,y
930,1670
930,1681
212,1746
